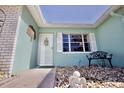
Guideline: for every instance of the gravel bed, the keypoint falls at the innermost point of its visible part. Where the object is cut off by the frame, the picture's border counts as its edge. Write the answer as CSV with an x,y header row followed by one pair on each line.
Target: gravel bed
x,y
97,77
3,76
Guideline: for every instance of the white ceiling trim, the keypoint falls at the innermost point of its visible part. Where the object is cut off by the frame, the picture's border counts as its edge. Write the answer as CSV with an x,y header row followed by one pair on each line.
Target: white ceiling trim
x,y
41,22
106,15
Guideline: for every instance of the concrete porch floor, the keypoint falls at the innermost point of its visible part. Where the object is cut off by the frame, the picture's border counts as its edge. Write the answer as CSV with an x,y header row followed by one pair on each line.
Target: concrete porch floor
x,y
34,78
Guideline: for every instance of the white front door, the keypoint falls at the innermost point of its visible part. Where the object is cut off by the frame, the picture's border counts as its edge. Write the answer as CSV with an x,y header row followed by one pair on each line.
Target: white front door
x,y
45,49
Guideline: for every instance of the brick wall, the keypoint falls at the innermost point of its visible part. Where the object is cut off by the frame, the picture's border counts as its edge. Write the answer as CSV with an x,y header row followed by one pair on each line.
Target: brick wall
x,y
8,37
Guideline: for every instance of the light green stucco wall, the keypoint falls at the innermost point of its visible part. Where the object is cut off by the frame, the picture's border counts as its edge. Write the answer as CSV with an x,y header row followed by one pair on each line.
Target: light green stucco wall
x,y
67,59
110,36
26,50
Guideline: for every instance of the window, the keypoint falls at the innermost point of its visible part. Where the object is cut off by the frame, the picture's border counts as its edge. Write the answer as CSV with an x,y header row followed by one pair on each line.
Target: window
x,y
65,43
76,43
86,42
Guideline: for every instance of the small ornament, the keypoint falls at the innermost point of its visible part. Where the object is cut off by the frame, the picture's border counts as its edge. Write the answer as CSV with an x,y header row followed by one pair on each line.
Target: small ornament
x,y
46,42
76,74
76,82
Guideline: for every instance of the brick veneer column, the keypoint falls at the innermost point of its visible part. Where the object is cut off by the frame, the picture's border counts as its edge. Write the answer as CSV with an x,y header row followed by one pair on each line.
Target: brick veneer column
x,y
8,37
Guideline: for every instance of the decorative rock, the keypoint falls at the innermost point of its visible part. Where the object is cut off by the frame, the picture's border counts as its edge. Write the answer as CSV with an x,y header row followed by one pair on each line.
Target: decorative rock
x,y
96,77
3,75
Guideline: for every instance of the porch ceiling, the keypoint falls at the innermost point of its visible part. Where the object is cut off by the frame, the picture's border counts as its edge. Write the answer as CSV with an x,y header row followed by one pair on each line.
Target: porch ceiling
x,y
73,14
78,16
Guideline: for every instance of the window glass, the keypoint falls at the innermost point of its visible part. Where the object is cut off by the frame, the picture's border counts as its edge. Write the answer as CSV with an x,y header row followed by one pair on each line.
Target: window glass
x,y
85,38
76,38
65,43
65,38
76,47
87,47
65,47
76,43
86,42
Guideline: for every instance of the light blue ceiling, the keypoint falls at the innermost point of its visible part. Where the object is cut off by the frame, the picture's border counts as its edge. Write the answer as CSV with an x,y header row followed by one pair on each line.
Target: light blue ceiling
x,y
73,14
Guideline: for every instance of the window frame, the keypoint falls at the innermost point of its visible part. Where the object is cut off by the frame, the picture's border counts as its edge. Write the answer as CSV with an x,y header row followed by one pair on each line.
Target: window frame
x,y
69,42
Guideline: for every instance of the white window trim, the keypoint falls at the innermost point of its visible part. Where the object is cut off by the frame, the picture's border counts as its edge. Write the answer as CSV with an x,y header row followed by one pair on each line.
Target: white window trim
x,y
83,42
69,42
70,52
76,52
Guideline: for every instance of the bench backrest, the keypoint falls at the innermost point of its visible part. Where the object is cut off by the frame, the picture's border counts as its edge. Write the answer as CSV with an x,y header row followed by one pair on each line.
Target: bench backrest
x,y
98,54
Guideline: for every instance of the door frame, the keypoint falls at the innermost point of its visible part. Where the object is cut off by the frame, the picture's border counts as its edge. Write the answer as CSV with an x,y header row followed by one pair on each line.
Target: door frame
x,y
39,49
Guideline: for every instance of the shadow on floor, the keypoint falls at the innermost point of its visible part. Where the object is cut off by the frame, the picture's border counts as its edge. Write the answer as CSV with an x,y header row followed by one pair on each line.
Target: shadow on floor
x,y
49,80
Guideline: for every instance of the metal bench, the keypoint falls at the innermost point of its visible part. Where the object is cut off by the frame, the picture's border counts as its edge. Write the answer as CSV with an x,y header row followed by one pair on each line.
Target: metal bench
x,y
99,55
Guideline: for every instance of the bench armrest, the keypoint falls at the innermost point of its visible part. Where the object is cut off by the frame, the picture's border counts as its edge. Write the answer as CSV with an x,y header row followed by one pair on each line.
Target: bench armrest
x,y
109,56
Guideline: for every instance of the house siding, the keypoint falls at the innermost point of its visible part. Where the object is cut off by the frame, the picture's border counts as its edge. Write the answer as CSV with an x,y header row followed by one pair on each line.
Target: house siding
x,y
71,59
26,49
110,36
8,37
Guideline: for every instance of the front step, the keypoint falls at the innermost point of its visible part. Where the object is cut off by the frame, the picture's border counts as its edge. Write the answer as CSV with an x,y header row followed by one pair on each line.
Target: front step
x,y
46,66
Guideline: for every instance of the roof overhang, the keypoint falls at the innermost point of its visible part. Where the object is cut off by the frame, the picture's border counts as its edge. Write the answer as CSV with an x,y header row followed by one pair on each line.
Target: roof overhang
x,y
41,22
